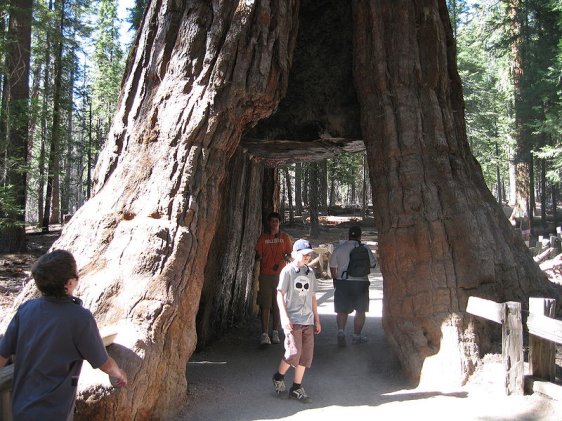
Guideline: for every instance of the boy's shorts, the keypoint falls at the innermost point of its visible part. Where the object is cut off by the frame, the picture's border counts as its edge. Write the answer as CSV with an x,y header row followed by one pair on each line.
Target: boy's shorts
x,y
299,346
351,295
267,292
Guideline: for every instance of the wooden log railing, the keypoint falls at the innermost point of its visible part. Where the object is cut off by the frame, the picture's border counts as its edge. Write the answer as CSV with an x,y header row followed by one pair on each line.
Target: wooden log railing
x,y
108,335
509,316
544,333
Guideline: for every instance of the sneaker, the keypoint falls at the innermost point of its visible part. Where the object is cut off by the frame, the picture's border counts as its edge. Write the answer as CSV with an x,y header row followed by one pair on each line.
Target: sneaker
x,y
358,339
275,337
300,395
279,385
264,339
341,339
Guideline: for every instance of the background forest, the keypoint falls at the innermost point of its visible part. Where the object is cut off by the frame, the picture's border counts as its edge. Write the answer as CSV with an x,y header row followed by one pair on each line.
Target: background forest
x,y
62,63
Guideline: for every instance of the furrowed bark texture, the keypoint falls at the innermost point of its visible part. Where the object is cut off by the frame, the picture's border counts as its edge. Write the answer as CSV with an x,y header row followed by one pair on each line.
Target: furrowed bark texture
x,y
228,294
442,236
200,74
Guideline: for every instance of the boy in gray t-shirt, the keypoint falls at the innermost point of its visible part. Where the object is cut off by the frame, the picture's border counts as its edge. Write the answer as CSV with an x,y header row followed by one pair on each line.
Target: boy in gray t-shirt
x,y
296,297
51,336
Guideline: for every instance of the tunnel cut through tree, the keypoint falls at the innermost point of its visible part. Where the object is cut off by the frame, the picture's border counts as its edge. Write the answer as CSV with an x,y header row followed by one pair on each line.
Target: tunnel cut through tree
x,y
202,74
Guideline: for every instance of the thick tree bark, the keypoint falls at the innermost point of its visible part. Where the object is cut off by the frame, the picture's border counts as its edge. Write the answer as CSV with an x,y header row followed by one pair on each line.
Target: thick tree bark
x,y
199,74
442,235
228,294
15,124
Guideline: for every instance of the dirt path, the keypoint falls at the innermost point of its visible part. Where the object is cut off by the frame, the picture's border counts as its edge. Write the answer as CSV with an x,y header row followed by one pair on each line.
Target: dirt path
x,y
232,381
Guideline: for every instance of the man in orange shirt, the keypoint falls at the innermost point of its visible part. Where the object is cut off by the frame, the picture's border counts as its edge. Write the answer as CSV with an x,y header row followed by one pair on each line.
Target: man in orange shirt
x,y
272,249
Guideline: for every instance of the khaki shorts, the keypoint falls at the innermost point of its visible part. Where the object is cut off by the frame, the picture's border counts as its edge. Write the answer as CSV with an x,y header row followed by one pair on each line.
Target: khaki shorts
x,y
299,346
267,292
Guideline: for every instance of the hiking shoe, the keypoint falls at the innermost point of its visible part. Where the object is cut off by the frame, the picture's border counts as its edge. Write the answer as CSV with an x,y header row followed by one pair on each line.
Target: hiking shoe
x,y
279,385
275,337
264,339
358,339
300,395
341,339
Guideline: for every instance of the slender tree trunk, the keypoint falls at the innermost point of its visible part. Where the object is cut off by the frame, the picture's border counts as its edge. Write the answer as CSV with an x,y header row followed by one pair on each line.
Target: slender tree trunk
x,y
52,195
364,188
332,192
69,155
323,186
419,159
522,206
499,186
44,126
199,75
532,199
289,194
512,169
282,202
313,188
298,188
543,194
89,152
16,92
554,205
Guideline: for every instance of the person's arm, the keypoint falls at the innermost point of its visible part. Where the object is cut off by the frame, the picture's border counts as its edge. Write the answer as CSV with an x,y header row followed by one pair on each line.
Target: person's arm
x,y
372,258
283,315
334,273
317,326
111,368
3,361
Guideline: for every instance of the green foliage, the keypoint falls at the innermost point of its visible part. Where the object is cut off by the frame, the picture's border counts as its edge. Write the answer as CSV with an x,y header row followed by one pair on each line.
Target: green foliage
x,y
108,63
136,13
9,207
487,93
485,61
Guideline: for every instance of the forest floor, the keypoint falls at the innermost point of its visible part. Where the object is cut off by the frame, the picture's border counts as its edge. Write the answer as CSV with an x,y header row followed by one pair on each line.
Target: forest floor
x,y
230,379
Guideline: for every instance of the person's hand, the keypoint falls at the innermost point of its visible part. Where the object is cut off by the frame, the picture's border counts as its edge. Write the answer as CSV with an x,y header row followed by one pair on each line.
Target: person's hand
x,y
317,327
120,379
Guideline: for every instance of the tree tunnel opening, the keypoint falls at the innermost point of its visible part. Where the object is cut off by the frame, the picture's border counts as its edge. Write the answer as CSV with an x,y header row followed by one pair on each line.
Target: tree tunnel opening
x,y
319,115
317,119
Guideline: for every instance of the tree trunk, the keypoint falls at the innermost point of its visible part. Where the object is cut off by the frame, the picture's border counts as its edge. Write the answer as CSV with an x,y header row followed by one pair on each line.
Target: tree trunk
x,y
499,187
298,188
323,186
16,92
364,188
442,235
289,194
198,76
543,193
313,203
52,197
554,205
228,293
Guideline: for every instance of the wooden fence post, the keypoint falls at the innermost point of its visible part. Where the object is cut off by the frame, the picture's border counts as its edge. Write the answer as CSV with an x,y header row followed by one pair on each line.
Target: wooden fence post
x,y
512,348
542,352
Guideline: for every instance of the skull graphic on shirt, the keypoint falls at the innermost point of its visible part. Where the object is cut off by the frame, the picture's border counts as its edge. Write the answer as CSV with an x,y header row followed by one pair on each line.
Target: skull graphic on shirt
x,y
302,285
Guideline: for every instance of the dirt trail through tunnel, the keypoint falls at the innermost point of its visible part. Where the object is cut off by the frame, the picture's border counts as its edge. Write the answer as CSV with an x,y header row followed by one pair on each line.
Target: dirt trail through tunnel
x,y
232,380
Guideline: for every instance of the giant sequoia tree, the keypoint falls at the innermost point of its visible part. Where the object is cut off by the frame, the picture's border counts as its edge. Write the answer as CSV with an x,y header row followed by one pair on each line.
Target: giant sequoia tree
x,y
200,75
